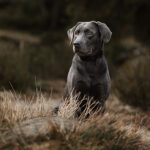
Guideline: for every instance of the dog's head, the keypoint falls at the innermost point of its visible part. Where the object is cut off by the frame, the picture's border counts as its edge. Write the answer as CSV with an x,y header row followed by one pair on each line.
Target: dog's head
x,y
88,37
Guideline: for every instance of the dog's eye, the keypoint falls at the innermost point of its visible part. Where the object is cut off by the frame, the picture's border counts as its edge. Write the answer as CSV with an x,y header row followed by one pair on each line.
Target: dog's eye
x,y
89,33
77,32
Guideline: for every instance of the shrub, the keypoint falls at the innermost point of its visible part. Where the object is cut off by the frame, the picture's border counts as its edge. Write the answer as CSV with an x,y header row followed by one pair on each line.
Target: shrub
x,y
133,82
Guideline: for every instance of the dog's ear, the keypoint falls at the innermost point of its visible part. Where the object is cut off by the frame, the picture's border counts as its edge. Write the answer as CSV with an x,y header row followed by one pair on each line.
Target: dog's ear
x,y
70,32
104,31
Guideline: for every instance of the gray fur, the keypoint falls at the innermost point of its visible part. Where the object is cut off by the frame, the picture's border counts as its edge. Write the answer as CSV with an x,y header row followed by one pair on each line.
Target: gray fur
x,y
89,74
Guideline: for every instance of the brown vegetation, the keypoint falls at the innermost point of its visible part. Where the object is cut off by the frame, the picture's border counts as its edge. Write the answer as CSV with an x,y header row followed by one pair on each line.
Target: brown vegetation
x,y
132,82
29,124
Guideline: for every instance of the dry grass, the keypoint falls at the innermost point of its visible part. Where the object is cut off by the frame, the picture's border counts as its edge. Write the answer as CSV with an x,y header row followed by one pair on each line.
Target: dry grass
x,y
29,124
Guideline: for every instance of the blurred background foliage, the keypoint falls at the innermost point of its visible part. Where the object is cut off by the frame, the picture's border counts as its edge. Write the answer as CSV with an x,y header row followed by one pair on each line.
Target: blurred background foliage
x,y
34,45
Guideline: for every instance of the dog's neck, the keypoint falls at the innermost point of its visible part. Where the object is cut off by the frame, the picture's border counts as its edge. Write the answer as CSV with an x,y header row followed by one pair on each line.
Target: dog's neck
x,y
99,54
92,58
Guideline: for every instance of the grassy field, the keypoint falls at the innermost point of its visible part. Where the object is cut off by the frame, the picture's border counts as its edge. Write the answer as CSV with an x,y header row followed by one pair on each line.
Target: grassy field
x,y
26,122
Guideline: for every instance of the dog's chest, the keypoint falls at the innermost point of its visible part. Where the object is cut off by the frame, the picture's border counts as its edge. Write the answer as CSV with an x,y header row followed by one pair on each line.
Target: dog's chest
x,y
88,71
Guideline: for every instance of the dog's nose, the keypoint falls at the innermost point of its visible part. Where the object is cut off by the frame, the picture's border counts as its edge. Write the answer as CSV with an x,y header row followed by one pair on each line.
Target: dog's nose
x,y
76,45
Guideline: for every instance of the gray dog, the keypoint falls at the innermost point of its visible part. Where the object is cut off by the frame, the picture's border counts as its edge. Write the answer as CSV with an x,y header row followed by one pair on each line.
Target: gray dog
x,y
89,74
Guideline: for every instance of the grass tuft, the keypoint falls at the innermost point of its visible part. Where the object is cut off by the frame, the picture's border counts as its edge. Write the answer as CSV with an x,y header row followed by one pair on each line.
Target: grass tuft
x,y
28,123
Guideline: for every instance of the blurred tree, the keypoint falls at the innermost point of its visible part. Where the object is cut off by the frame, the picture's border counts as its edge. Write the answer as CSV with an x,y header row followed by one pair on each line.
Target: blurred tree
x,y
124,17
49,19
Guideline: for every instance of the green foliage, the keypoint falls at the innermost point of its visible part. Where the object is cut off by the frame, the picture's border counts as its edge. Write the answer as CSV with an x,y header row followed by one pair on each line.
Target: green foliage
x,y
50,20
132,82
19,68
116,55
14,73
123,17
49,62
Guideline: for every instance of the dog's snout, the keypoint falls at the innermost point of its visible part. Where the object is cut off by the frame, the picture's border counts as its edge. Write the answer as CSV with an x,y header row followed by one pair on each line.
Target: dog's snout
x,y
77,45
